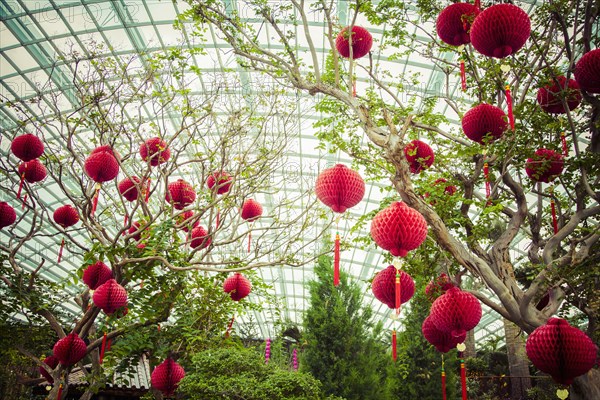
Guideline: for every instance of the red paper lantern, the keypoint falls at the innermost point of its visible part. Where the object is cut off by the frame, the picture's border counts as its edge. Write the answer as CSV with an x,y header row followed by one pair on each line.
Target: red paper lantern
x,y
500,30
449,189
456,312
550,97
200,238
221,179
135,227
384,286
155,150
33,171
454,22
52,362
166,376
180,194
128,188
97,274
186,217
27,147
419,155
587,71
108,149
438,286
66,216
101,166
238,286
110,296
251,210
484,123
70,349
8,216
339,188
544,165
398,229
561,350
443,341
361,42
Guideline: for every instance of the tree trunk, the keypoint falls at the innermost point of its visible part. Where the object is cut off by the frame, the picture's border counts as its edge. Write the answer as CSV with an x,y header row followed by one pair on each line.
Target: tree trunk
x,y
518,363
586,387
470,344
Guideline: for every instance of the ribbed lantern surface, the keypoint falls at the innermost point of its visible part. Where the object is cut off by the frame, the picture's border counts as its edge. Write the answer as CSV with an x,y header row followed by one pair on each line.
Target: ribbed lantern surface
x,y
500,30
484,123
8,216
33,171
221,179
110,296
66,216
101,166
128,189
454,22
384,286
166,376
456,312
96,274
339,188
200,238
70,349
561,350
361,42
251,210
155,150
544,165
419,155
107,149
238,286
180,194
587,71
27,147
443,341
52,362
398,229
550,97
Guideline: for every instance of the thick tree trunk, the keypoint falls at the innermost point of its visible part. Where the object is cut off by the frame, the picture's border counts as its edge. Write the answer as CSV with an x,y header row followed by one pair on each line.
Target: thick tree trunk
x,y
586,387
518,364
470,343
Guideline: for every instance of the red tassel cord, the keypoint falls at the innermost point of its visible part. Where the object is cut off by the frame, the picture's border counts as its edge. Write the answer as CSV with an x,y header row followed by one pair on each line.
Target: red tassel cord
x,y
24,202
463,76
563,139
336,261
249,240
554,219
20,186
463,377
60,251
228,331
95,199
398,292
509,103
443,380
486,175
394,346
103,348
59,395
147,191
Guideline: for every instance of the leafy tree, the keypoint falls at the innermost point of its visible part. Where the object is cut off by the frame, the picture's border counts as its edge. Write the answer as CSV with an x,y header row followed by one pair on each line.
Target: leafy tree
x,y
343,347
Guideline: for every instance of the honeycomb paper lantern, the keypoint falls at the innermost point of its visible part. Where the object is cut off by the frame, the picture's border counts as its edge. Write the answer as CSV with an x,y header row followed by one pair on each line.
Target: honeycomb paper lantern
x,y
454,22
443,341
438,286
251,210
33,171
27,147
186,216
107,149
200,238
550,97
339,188
384,286
544,165
52,362
128,189
222,180
456,312
110,296
70,349
101,166
561,350
419,156
587,71
135,227
500,30
8,216
66,216
180,194
97,274
166,376
398,229
484,123
155,150
361,42
238,286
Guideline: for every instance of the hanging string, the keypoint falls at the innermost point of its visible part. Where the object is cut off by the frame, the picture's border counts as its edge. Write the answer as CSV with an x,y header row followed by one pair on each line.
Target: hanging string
x,y
486,174
563,139
59,394
103,348
24,202
463,376
95,199
21,184
443,380
553,211
336,260
60,251
228,331
398,291
509,103
394,346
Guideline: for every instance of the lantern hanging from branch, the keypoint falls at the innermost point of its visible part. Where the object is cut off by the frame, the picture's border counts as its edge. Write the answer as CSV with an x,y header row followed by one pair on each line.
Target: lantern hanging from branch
x,y
96,274
70,349
545,165
238,286
8,216
52,362
65,216
128,188
155,151
27,147
166,376
188,221
200,238
456,312
587,71
419,155
437,287
398,229
110,296
221,181
31,171
251,211
484,123
101,166
362,41
550,97
443,341
180,194
454,23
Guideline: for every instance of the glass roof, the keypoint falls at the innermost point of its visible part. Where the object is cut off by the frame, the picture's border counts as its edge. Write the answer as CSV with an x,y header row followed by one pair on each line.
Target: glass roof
x,y
36,36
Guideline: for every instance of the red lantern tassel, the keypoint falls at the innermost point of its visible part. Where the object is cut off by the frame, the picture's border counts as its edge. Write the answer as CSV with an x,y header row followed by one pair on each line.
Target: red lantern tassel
x,y
463,377
486,175
147,194
443,380
60,251
463,76
398,292
59,395
554,219
563,138
103,348
229,327
24,202
394,346
336,261
20,186
95,200
509,103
